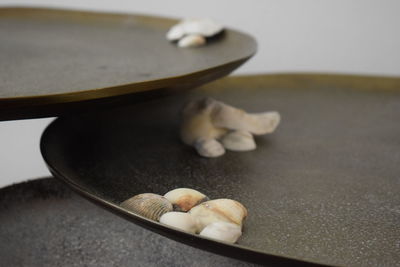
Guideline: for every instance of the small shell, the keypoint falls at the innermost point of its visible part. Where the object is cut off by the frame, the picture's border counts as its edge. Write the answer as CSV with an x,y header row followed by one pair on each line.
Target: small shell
x,y
239,141
175,33
210,148
183,199
151,206
192,40
226,210
223,231
205,27
180,220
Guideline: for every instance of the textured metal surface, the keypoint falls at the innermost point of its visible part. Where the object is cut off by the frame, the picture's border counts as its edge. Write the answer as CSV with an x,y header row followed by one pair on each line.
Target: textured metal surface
x,y
325,187
52,59
43,223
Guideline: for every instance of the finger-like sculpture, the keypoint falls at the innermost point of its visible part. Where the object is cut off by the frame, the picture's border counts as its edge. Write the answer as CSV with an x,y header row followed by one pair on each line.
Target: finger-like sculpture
x,y
206,121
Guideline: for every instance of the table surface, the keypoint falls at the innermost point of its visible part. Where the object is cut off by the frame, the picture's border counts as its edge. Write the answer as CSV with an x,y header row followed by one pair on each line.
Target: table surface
x,y
323,188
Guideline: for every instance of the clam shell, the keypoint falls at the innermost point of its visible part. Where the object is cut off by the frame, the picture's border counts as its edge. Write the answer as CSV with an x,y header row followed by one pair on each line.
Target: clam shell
x,y
205,26
151,206
181,220
175,33
183,199
222,231
192,40
225,210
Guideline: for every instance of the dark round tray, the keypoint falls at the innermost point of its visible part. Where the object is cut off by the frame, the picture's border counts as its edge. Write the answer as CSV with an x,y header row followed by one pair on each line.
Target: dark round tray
x,y
43,223
54,62
324,188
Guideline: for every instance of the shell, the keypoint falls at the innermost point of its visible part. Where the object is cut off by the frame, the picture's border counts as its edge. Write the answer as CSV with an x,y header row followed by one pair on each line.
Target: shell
x,y
192,40
175,33
222,231
205,27
239,141
183,199
151,206
209,148
225,210
181,220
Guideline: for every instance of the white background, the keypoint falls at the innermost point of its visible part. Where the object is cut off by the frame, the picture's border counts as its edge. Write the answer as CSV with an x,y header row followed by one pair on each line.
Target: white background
x,y
347,36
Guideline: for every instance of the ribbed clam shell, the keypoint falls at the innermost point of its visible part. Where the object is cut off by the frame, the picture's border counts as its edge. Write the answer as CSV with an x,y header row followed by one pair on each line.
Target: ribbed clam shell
x,y
183,199
151,206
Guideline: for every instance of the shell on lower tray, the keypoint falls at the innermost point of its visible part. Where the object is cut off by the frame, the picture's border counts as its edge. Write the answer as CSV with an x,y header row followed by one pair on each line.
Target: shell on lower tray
x,y
149,205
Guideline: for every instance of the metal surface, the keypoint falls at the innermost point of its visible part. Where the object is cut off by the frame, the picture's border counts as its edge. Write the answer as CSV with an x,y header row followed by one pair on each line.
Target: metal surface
x,y
43,223
323,188
53,62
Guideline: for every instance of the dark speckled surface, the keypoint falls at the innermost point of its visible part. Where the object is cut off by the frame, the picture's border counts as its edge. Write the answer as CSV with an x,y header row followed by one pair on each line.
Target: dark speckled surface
x,y
325,187
43,223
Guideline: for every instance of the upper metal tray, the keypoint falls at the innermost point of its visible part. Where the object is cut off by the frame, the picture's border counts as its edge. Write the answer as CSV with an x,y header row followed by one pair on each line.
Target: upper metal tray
x,y
54,62
323,188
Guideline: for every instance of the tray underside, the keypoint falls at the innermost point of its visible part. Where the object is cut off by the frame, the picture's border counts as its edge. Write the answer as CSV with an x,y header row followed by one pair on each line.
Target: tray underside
x,y
323,188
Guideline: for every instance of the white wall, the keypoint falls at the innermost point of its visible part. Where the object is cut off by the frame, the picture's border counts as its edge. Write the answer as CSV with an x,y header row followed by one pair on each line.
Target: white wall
x,y
348,36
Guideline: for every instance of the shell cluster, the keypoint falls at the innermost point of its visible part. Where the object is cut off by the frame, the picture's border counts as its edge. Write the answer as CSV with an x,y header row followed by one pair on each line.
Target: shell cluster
x,y
194,32
211,127
191,211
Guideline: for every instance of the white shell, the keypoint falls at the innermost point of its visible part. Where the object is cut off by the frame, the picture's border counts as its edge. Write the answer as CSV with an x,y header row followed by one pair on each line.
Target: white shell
x,y
175,33
183,199
210,148
192,40
226,210
180,220
222,231
239,141
205,27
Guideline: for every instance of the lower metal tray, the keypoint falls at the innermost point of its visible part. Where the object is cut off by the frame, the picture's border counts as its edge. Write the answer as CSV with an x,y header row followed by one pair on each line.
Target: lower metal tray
x,y
325,187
